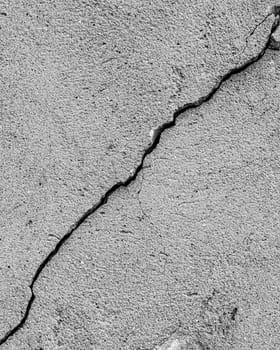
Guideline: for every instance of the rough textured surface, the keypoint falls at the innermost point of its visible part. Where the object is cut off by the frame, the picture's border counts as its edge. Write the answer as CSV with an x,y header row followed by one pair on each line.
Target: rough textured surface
x,y
188,256
83,84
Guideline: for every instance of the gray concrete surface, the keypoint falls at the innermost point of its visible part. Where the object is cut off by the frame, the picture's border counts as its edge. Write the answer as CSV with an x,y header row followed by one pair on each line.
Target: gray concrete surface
x,y
83,84
189,253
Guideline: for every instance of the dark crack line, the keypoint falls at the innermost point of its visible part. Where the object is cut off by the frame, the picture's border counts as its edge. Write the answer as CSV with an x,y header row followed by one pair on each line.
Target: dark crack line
x,y
274,10
252,32
157,135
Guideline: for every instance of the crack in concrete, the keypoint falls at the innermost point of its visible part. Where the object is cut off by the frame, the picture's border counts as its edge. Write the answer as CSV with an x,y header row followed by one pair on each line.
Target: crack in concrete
x,y
275,10
252,32
155,141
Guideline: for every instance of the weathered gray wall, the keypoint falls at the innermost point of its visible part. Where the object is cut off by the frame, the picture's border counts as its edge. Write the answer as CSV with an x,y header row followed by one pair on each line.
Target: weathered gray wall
x,y
195,236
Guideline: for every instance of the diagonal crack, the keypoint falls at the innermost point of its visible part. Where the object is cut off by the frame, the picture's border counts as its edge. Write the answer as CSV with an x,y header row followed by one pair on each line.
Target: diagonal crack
x,y
274,10
156,139
252,32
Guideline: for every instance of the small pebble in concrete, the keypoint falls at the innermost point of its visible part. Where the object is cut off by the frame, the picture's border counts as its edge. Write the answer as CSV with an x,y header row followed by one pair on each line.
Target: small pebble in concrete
x,y
175,344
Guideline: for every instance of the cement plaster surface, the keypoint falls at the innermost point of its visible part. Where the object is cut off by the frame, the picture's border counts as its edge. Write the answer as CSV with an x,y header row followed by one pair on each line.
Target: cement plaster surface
x,y
195,236
190,250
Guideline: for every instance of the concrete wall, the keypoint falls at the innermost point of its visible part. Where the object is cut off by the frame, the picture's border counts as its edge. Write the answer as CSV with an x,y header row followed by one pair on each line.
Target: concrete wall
x,y
140,180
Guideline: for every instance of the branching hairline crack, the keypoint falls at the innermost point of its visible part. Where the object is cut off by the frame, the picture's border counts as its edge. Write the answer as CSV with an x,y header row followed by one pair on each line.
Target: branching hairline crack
x,y
156,139
252,32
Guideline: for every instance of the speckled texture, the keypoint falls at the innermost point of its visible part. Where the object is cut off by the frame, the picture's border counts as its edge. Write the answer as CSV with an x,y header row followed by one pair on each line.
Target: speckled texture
x,y
82,85
189,253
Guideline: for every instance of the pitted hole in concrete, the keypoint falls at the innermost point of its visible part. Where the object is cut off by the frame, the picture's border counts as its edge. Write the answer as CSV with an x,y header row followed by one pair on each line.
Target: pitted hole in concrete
x,y
274,43
275,10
